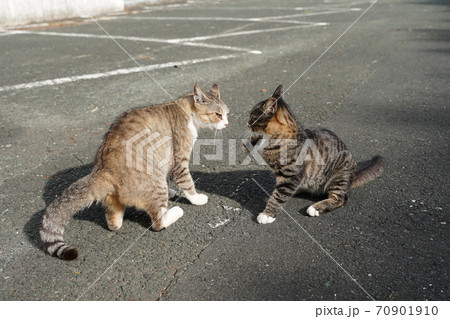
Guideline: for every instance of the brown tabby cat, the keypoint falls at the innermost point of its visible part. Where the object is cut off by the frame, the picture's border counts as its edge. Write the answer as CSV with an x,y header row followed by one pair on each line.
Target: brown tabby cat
x,y
142,147
303,160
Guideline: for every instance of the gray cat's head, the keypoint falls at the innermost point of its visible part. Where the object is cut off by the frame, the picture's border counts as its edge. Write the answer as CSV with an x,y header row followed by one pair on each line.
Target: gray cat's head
x,y
209,109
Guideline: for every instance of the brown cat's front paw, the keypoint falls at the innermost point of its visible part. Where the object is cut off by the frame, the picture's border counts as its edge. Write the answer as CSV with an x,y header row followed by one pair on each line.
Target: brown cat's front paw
x,y
312,211
264,218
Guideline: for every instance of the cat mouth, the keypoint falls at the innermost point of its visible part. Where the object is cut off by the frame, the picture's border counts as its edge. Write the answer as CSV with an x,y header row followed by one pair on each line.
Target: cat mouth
x,y
217,128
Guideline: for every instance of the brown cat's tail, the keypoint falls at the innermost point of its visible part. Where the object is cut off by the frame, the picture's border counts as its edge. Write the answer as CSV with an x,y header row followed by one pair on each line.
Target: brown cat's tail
x,y
374,169
78,196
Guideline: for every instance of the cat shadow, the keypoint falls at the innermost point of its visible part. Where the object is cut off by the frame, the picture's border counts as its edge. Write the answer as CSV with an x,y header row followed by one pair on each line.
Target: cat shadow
x,y
56,185
251,189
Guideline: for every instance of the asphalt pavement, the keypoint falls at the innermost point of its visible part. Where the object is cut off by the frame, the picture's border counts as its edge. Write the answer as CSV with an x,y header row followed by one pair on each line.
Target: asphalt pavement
x,y
377,74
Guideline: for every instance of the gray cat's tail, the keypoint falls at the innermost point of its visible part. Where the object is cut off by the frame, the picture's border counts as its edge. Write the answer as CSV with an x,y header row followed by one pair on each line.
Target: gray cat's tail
x,y
370,172
78,196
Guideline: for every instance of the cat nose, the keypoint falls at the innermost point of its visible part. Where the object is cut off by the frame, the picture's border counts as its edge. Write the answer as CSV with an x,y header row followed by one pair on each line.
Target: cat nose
x,y
249,123
226,124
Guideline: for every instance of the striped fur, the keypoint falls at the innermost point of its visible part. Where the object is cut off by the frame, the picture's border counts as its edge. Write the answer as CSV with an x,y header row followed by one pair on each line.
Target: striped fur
x,y
124,176
305,160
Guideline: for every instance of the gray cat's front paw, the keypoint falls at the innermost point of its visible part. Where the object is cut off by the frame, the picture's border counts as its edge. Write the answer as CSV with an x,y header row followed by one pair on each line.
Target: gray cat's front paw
x,y
171,216
197,199
172,193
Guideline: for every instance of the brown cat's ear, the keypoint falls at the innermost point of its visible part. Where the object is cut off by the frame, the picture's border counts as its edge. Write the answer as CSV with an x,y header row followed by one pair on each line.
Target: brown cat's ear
x,y
215,91
199,96
270,107
279,92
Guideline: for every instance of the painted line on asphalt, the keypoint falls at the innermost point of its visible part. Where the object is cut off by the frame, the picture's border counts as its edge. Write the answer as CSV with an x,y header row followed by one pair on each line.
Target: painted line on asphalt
x,y
233,34
254,8
93,76
181,41
277,19
264,19
140,39
309,14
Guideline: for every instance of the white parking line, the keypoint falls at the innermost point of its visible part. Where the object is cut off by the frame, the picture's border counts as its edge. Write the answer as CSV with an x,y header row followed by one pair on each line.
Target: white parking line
x,y
309,14
277,19
264,19
110,73
193,41
233,34
141,39
181,41
255,8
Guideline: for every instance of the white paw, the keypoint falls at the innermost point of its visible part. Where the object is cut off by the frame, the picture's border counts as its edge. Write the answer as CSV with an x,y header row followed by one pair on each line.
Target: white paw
x,y
197,199
172,193
171,216
312,211
264,219
115,225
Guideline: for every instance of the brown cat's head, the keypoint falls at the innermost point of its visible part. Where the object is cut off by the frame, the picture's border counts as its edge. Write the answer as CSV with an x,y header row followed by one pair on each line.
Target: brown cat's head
x,y
273,116
209,110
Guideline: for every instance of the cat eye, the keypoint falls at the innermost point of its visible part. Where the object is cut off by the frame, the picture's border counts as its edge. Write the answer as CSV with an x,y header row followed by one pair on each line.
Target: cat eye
x,y
219,115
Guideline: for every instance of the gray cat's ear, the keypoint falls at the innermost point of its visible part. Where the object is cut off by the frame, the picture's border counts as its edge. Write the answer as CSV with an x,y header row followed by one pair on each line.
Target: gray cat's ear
x,y
279,92
270,107
215,90
199,96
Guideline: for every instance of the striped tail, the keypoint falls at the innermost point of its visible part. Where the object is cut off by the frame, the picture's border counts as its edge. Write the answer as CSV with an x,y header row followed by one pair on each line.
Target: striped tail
x,y
78,196
370,172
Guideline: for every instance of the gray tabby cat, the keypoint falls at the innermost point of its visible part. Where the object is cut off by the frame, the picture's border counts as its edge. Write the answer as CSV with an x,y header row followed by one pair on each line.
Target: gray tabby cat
x,y
138,177
303,160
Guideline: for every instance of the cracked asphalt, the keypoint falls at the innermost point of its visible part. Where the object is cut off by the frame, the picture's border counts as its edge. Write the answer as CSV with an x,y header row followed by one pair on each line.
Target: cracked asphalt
x,y
382,85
